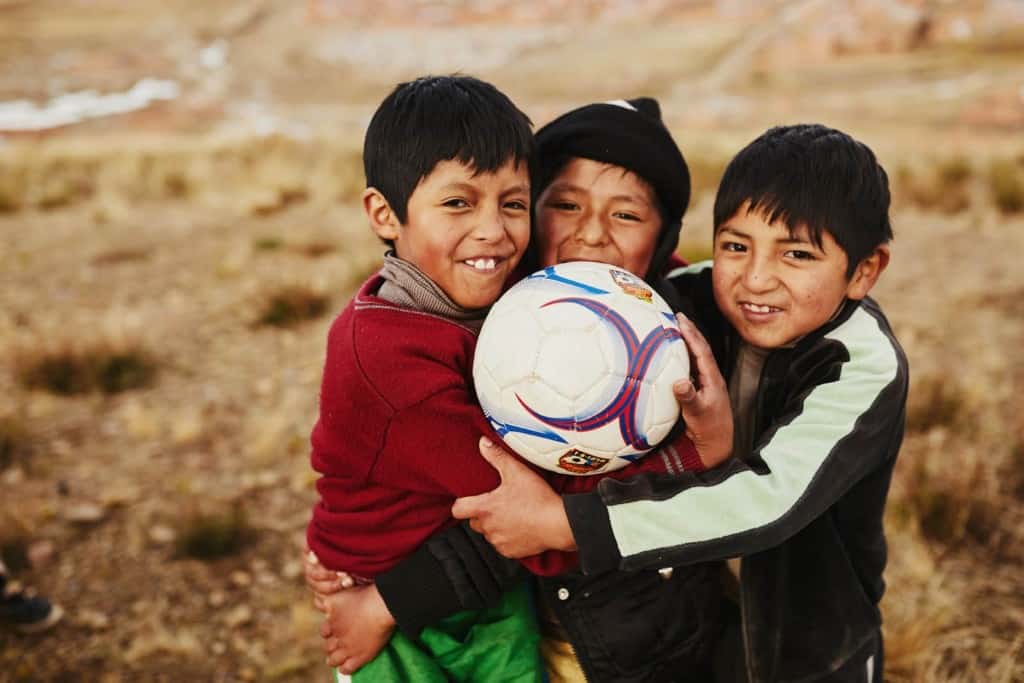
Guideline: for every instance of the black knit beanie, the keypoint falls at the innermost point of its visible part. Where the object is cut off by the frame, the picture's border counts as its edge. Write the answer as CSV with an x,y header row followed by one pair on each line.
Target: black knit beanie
x,y
630,134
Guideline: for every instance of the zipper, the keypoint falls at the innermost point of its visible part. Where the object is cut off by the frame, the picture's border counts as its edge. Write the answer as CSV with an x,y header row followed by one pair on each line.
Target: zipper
x,y
561,612
747,658
756,420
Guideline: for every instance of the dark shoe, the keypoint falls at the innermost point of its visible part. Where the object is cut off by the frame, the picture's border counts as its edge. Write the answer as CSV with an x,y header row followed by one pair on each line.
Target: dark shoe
x,y
28,613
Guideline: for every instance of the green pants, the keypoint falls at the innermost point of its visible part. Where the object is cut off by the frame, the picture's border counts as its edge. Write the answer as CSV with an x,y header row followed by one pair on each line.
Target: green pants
x,y
496,644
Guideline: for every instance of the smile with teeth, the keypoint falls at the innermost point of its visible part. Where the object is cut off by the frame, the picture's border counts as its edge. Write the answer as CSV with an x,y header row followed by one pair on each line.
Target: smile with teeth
x,y
482,264
759,308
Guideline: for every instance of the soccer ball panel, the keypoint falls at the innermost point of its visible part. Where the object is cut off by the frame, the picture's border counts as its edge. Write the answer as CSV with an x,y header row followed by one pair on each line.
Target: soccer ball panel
x,y
571,362
509,347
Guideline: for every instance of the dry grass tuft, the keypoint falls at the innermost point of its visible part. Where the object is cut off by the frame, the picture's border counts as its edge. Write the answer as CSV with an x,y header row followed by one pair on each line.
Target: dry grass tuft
x,y
1015,471
280,200
104,367
936,402
1006,185
945,187
293,305
268,244
210,534
269,173
949,508
315,250
14,441
953,172
125,370
116,256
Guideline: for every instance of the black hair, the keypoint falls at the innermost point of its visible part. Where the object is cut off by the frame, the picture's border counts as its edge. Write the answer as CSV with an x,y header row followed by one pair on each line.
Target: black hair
x,y
815,176
438,118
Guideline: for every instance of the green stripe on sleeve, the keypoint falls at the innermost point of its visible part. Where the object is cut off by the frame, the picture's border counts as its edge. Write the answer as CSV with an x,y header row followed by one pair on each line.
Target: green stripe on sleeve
x,y
748,501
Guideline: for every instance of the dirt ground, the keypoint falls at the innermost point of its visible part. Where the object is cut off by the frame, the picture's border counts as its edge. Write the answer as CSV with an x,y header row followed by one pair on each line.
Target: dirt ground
x,y
166,231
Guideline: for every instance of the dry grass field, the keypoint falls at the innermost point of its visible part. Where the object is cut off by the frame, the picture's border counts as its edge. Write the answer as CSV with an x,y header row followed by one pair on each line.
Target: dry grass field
x,y
167,277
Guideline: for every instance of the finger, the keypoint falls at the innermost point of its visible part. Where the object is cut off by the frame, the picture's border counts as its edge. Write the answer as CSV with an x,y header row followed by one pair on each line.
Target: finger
x,y
704,359
318,603
502,459
345,580
684,391
476,525
320,573
497,456
330,645
318,578
324,587
310,560
326,630
337,658
469,507
349,666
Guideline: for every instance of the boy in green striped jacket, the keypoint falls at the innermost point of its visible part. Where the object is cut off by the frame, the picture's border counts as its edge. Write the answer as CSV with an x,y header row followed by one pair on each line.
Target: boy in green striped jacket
x,y
818,387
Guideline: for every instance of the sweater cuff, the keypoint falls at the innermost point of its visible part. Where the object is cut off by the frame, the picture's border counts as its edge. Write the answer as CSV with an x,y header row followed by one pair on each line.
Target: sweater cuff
x,y
592,529
417,592
688,455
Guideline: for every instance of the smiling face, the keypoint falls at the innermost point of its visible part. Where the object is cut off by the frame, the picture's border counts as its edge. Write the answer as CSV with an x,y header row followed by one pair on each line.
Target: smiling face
x,y
465,230
594,211
775,287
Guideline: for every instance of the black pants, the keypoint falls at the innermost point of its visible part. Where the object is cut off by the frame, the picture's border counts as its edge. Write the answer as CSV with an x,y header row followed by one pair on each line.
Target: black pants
x,y
867,666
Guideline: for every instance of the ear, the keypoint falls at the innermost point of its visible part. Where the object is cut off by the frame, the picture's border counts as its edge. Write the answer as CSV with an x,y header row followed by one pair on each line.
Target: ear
x,y
378,211
867,273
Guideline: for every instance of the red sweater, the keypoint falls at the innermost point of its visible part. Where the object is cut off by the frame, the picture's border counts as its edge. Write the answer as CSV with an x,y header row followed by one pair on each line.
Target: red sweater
x,y
397,438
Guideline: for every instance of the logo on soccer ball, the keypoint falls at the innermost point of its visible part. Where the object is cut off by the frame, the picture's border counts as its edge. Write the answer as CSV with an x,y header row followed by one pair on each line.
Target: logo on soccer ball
x,y
631,285
578,462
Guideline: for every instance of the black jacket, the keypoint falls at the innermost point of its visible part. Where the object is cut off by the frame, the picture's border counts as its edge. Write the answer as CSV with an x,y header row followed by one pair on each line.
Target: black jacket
x,y
804,511
673,614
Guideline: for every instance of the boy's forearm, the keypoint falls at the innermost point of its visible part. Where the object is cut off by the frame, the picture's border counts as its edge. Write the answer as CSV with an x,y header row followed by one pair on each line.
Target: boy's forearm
x,y
417,592
588,518
454,570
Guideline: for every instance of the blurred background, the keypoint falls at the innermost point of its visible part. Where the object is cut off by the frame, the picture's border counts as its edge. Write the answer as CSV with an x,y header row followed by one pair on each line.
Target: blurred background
x,y
178,226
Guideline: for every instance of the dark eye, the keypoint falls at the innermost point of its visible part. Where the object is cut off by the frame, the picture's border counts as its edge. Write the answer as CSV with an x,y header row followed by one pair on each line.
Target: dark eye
x,y
800,255
456,203
626,216
517,205
735,247
562,205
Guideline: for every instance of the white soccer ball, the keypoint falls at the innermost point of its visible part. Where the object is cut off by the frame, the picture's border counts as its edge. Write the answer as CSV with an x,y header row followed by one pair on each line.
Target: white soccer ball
x,y
574,368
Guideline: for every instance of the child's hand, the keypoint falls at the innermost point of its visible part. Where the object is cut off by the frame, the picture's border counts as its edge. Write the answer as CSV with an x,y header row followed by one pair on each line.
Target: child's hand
x,y
358,625
705,408
523,516
321,580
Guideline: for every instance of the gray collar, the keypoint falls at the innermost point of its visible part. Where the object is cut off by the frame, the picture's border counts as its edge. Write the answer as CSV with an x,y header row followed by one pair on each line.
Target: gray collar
x,y
407,286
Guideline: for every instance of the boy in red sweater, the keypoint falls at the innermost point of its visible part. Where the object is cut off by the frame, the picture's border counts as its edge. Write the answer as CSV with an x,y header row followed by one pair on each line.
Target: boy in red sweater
x,y
447,165
447,169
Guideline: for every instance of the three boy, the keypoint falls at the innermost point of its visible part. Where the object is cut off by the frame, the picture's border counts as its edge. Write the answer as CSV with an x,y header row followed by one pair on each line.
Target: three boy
x,y
818,385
